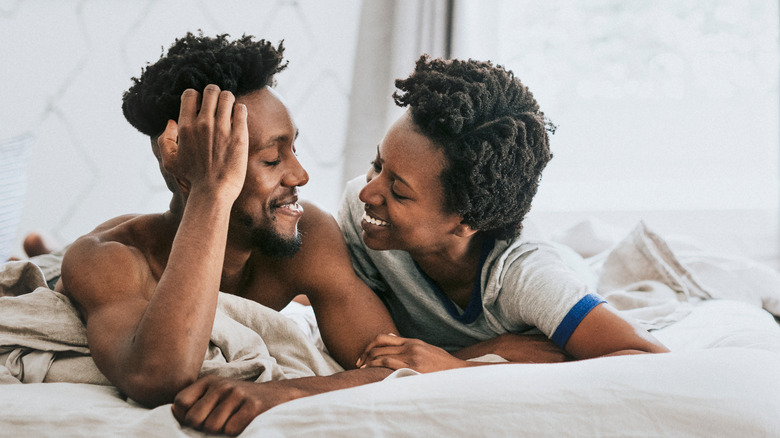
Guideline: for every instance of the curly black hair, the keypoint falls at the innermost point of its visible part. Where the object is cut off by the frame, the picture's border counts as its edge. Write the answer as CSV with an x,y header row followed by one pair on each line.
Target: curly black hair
x,y
194,61
493,135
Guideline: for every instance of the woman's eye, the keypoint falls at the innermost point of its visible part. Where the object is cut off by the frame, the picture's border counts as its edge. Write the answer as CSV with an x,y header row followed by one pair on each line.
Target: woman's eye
x,y
274,162
396,195
376,166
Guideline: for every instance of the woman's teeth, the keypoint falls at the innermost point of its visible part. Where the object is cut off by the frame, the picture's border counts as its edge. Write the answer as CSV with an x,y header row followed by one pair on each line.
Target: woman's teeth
x,y
373,221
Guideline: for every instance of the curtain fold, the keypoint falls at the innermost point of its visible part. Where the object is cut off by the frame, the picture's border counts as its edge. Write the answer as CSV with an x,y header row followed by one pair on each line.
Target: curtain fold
x,y
391,36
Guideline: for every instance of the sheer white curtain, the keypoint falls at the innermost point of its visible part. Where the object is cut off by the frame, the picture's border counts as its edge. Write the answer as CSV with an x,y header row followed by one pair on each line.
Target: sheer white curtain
x,y
391,36
667,110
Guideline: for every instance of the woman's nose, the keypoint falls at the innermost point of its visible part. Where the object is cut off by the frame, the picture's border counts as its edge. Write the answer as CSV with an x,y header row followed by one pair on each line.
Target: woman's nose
x,y
370,194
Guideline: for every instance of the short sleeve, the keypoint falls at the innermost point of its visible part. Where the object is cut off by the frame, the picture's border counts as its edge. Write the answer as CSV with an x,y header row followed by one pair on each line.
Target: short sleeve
x,y
532,286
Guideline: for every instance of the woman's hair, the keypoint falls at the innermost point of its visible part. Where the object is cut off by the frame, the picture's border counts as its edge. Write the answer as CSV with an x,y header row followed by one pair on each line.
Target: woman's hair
x,y
492,133
240,66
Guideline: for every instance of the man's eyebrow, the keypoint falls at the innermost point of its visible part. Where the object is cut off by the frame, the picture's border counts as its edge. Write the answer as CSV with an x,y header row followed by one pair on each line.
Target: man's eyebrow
x,y
274,141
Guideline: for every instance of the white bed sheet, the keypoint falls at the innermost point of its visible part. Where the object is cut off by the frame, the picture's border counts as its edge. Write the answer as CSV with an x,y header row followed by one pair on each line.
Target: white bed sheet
x,y
722,379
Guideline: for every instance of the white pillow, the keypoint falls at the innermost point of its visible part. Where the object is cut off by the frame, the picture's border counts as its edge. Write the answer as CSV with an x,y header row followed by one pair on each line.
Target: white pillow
x,y
14,153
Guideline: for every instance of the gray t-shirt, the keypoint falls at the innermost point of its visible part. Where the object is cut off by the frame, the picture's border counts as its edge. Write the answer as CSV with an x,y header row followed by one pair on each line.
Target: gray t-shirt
x,y
524,285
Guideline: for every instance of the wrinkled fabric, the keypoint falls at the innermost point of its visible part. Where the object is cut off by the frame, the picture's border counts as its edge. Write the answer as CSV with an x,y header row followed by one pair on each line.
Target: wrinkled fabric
x,y
42,338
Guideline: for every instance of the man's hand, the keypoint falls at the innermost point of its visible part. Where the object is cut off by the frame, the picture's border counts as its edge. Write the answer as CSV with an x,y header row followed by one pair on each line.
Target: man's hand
x,y
209,145
221,405
395,352
217,404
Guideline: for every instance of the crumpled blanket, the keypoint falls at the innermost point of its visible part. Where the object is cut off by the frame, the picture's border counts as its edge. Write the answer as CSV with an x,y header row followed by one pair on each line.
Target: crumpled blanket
x,y
43,339
645,279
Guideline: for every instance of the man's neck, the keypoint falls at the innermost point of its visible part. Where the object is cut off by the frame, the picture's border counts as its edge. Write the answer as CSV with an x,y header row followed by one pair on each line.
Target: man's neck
x,y
235,269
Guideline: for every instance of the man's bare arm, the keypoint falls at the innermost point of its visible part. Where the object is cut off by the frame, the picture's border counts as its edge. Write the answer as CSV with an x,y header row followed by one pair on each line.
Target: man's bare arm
x,y
148,337
349,314
221,405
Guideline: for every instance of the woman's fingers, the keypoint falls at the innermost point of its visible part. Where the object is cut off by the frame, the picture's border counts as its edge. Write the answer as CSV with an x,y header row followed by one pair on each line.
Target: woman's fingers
x,y
386,351
379,341
392,362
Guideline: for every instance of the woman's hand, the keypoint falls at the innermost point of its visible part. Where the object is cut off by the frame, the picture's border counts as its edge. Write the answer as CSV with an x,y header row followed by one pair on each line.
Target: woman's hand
x,y
395,352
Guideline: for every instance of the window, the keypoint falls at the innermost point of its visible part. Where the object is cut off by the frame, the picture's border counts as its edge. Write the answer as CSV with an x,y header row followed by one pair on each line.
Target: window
x,y
665,109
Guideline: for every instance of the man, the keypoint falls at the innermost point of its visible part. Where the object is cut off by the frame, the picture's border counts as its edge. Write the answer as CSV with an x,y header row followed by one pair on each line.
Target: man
x,y
147,285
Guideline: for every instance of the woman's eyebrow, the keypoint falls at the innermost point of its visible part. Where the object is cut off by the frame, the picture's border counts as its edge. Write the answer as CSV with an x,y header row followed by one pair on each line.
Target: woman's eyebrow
x,y
399,179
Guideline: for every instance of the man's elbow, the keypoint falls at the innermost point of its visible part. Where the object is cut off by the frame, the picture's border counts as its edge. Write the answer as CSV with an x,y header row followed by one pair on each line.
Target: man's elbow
x,y
155,389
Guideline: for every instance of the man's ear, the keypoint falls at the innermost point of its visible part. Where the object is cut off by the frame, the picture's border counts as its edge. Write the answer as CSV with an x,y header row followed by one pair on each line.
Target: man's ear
x,y
464,230
155,147
184,186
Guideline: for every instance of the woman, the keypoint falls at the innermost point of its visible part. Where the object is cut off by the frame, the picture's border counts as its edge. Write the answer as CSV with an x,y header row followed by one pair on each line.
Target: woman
x,y
434,229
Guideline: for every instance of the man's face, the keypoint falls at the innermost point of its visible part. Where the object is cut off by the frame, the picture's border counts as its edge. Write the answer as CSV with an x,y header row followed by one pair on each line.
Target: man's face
x,y
266,213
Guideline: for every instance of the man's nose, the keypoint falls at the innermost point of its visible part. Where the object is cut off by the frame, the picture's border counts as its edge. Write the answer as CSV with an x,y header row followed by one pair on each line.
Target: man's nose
x,y
297,175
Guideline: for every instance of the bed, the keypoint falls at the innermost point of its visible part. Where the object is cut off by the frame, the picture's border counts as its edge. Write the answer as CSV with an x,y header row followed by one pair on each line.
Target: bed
x,y
716,313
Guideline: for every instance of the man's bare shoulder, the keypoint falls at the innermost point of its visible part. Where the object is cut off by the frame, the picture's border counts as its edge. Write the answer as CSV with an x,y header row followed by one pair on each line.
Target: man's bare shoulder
x,y
318,228
321,238
323,257
108,262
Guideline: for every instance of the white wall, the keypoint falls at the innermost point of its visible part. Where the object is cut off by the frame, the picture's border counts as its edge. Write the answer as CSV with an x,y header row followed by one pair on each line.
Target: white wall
x,y
66,63
666,110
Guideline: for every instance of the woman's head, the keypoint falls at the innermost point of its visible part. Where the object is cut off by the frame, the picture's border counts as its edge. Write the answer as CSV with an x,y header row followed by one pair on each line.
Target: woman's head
x,y
492,134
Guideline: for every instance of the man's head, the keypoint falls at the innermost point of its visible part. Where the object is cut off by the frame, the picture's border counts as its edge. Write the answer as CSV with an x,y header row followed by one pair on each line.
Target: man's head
x,y
266,212
492,133
239,66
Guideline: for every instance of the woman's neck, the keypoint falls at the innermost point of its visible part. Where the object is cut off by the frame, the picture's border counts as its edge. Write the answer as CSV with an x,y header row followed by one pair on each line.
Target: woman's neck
x,y
454,268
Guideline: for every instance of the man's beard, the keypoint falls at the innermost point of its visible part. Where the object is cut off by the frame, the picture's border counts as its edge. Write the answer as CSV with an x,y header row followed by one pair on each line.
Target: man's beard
x,y
272,244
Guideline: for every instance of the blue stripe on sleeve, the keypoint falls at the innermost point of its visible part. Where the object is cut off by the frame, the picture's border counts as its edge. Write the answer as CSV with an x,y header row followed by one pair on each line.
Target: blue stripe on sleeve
x,y
574,318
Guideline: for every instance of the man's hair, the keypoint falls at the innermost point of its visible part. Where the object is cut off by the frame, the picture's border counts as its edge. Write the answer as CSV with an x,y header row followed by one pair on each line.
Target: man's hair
x,y
240,66
492,133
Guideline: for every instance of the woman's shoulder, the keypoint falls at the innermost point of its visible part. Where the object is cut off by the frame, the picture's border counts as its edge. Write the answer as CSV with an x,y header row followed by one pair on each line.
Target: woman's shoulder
x,y
538,258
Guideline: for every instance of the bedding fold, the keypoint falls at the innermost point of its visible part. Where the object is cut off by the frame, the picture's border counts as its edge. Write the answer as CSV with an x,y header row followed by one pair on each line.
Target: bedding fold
x,y
42,338
646,280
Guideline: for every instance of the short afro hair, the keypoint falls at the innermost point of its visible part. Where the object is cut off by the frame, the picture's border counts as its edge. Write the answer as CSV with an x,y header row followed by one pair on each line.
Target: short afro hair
x,y
492,133
194,61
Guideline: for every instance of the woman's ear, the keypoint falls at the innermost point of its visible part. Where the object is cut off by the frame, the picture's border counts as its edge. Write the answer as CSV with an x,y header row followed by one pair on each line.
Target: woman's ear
x,y
464,230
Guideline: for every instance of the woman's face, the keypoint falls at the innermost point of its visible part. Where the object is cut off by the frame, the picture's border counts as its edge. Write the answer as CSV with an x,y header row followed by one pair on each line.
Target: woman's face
x,y
404,196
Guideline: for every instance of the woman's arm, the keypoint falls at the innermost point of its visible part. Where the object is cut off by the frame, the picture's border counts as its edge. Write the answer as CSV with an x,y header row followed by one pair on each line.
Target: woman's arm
x,y
602,332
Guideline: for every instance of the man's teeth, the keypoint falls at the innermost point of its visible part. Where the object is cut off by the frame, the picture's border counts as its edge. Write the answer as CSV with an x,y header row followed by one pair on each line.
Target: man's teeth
x,y
373,221
294,207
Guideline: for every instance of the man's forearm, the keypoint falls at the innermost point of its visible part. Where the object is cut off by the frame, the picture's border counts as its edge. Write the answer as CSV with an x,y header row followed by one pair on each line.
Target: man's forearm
x,y
308,386
247,400
175,329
